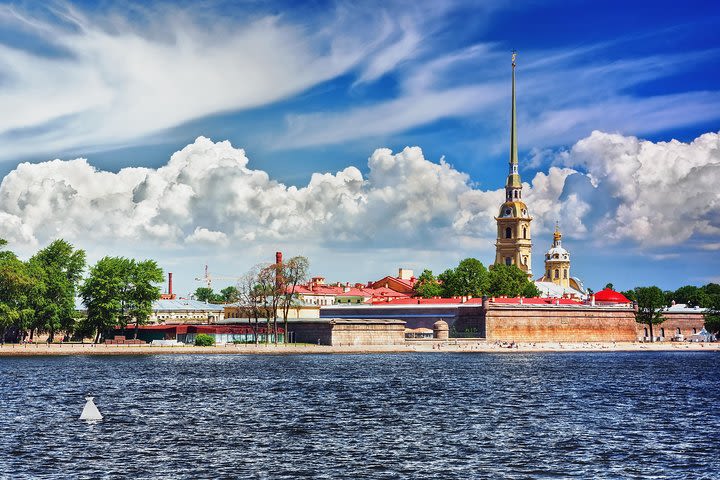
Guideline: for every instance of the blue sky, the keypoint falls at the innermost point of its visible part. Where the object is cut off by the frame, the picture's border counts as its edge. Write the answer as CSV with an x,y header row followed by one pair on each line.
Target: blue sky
x,y
315,88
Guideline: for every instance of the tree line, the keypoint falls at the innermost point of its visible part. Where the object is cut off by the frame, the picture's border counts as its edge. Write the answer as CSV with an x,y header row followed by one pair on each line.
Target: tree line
x,y
226,295
37,296
471,278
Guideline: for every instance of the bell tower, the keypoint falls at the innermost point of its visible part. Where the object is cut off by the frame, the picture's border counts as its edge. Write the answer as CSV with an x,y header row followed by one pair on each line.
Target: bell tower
x,y
514,246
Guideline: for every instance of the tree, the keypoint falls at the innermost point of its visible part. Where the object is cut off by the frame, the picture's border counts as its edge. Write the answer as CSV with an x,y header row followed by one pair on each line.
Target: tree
x,y
251,298
118,291
427,285
268,289
609,286
291,273
712,316
229,294
631,295
60,267
102,294
468,278
650,302
510,281
692,296
143,290
15,287
204,294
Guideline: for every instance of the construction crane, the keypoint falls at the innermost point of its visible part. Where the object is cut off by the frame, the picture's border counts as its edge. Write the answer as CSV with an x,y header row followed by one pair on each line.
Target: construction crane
x,y
207,278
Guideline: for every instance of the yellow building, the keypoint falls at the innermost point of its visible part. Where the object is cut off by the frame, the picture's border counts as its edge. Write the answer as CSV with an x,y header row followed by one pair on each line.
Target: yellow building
x,y
557,262
557,272
514,246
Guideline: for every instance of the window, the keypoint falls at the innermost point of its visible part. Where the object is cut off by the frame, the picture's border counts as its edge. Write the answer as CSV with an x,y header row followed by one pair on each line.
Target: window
x,y
694,331
557,273
508,232
508,261
662,333
524,232
565,273
677,332
549,275
516,193
646,332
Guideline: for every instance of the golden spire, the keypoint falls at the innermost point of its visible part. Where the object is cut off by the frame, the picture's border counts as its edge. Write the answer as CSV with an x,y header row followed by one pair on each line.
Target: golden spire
x,y
513,186
557,236
513,127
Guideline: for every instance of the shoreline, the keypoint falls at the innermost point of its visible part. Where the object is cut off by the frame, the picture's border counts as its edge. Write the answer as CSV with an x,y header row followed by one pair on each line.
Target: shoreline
x,y
33,350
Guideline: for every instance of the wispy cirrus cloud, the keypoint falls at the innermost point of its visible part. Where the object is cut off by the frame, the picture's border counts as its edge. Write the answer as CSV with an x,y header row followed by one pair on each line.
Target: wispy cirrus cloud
x,y
99,80
562,96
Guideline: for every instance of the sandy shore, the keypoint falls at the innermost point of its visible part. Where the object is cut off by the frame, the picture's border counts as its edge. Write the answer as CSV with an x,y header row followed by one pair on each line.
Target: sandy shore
x,y
436,347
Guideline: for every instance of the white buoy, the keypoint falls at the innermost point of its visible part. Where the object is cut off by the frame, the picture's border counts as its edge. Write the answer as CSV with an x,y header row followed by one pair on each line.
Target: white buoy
x,y
90,411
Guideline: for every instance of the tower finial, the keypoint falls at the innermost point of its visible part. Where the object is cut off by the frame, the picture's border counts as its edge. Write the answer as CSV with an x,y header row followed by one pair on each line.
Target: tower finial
x,y
557,236
513,128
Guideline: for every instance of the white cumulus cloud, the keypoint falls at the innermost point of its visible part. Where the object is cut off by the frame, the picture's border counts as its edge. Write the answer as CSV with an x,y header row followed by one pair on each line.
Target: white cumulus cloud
x,y
609,188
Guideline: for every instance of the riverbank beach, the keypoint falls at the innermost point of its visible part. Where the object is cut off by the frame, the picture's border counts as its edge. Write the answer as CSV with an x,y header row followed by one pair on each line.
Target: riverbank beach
x,y
434,347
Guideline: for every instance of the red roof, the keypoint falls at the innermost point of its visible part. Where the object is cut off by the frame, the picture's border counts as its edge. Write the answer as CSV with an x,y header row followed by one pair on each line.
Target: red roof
x,y
610,296
536,301
418,301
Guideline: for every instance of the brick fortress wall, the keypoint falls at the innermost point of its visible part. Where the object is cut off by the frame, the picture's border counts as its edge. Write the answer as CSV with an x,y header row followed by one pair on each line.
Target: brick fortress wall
x,y
560,324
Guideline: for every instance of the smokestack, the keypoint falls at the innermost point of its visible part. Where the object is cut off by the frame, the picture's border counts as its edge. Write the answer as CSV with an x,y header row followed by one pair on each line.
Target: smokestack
x,y
278,265
170,283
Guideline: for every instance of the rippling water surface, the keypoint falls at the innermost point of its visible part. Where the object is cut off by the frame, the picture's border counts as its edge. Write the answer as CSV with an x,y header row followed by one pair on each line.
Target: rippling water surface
x,y
549,415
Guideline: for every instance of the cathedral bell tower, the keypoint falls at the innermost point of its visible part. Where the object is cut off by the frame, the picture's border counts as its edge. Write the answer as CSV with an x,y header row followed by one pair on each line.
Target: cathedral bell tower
x,y
513,246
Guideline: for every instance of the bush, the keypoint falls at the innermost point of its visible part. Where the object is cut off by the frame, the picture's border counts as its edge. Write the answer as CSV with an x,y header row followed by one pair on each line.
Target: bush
x,y
204,340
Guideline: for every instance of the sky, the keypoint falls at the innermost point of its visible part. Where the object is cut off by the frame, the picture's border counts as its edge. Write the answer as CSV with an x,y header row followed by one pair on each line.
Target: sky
x,y
366,136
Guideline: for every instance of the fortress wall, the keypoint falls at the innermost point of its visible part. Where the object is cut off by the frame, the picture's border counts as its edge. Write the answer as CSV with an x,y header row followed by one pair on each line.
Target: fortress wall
x,y
375,333
343,332
581,324
685,321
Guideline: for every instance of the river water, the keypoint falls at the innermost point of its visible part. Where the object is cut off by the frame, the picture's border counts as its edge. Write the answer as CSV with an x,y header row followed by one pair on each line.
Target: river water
x,y
543,415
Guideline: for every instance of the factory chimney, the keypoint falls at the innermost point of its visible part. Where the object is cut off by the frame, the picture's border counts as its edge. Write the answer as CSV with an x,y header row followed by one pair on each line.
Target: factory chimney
x,y
278,269
169,295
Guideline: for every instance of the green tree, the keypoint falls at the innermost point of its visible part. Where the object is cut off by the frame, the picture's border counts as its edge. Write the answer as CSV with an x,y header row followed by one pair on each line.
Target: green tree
x,y
468,278
427,286
712,315
60,267
142,291
103,294
650,302
692,296
510,281
631,295
206,294
15,287
230,294
609,286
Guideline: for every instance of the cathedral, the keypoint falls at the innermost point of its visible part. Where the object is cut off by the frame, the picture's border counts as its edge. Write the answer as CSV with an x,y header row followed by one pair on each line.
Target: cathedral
x,y
514,241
